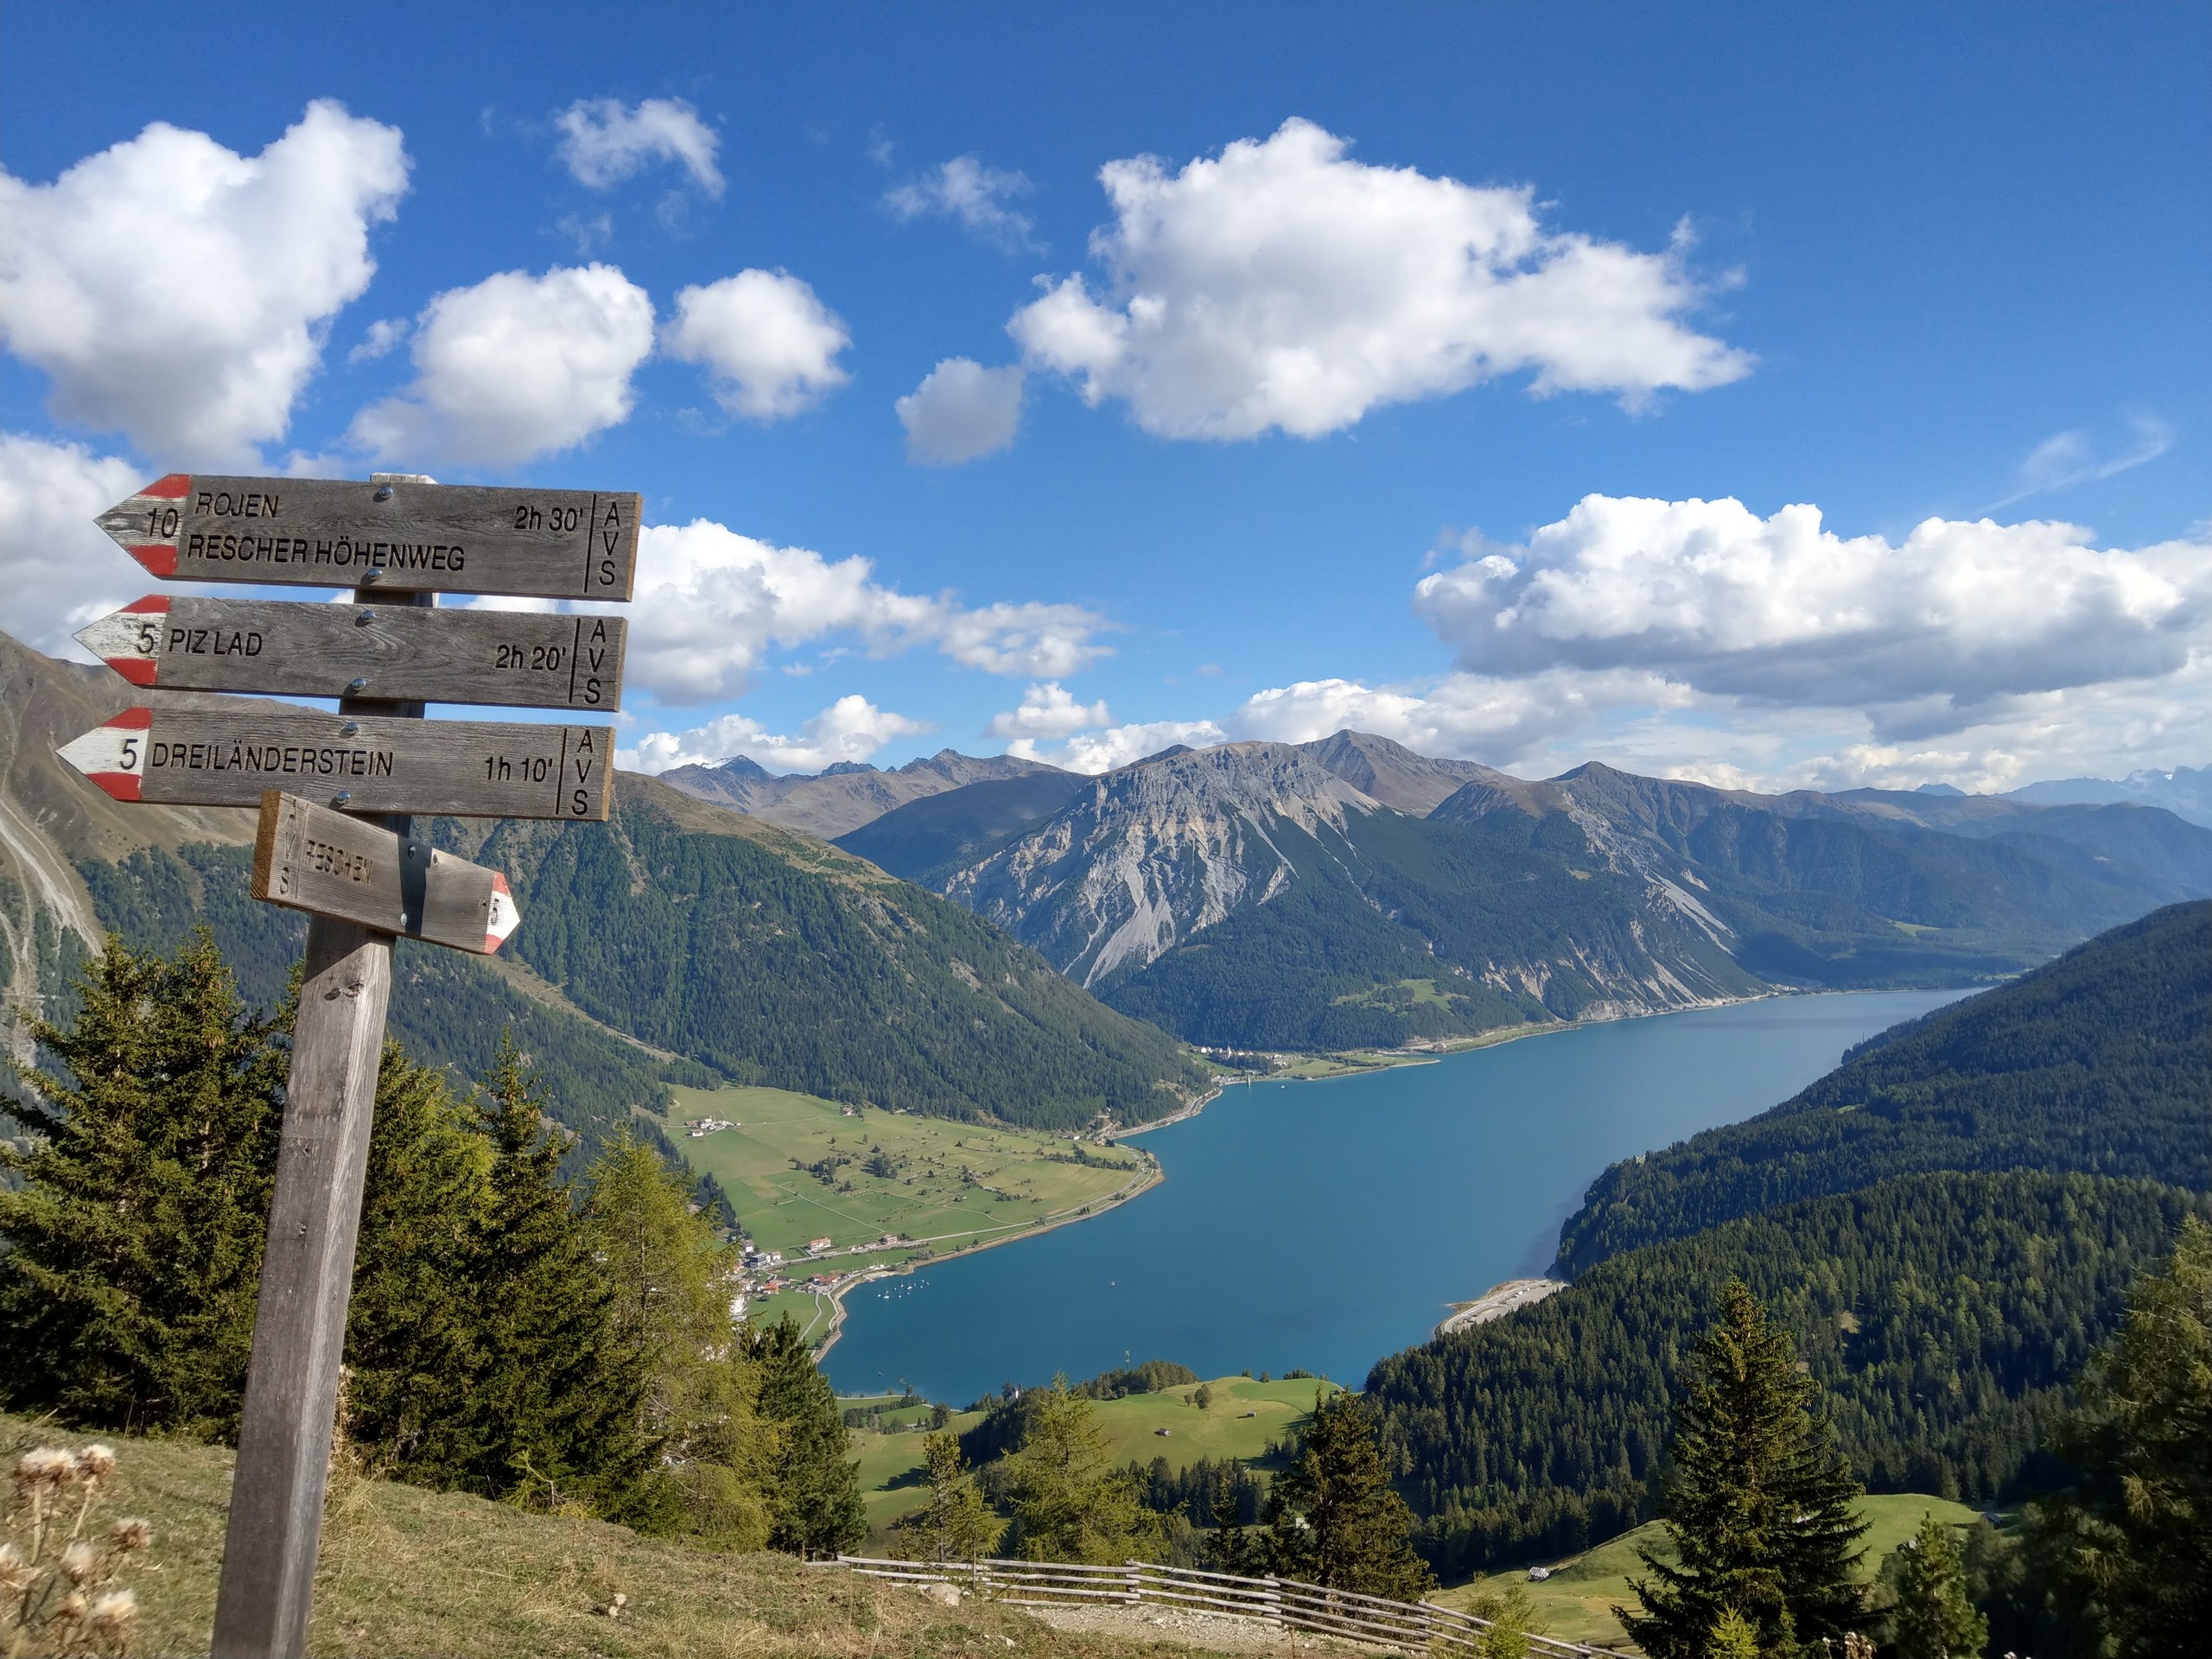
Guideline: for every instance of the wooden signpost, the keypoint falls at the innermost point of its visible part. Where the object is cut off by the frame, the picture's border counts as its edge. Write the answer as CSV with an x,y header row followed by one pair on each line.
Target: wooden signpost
x,y
397,541
391,533
308,857
525,659
365,763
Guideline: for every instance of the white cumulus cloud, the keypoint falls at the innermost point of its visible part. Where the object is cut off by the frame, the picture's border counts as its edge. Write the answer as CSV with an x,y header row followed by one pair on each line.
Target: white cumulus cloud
x,y
1096,752
516,367
1921,633
851,730
711,604
976,195
1047,711
768,343
175,291
604,141
960,411
58,569
1283,285
1026,639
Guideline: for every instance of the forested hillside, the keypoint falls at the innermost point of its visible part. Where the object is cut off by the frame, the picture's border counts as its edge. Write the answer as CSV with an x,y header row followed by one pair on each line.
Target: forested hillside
x,y
447,1008
2100,1061
776,959
1944,1313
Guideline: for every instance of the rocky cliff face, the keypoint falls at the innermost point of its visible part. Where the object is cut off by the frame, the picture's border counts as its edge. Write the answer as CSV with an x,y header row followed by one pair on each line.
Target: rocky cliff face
x,y
1158,851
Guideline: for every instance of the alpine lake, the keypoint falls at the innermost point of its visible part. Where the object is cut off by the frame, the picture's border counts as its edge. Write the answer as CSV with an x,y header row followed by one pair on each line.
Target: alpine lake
x,y
1322,1224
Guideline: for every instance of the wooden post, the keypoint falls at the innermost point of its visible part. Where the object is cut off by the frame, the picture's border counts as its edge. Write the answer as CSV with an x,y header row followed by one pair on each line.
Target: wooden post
x,y
306,1276
274,1533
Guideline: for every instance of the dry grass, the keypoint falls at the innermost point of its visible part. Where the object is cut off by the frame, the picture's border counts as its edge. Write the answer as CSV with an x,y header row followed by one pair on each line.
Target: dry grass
x,y
405,1571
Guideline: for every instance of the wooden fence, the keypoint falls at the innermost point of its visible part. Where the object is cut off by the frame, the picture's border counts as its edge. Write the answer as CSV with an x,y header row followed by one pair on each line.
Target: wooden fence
x,y
1409,1627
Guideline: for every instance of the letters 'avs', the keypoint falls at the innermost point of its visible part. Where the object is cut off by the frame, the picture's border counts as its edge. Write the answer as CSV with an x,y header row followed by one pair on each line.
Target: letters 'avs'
x,y
402,534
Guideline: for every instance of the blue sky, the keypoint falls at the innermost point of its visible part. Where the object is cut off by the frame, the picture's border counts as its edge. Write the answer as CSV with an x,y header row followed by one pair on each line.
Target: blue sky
x,y
1465,408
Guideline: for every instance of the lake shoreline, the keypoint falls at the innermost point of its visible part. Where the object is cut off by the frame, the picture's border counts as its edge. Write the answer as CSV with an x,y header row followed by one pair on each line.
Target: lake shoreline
x,y
1322,1227
1386,1061
835,1295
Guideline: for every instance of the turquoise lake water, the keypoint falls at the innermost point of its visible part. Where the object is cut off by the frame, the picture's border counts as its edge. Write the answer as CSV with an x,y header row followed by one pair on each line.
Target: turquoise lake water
x,y
1325,1224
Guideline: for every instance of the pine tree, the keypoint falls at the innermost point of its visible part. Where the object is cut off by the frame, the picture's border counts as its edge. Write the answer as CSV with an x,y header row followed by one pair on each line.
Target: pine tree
x,y
1757,1502
133,1249
1070,1504
814,1494
559,1397
413,1340
2137,1534
957,1524
1933,1617
1332,1517
670,1279
1513,1620
1228,1547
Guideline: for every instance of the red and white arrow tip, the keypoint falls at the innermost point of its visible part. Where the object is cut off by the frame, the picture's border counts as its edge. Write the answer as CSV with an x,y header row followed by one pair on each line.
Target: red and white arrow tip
x,y
129,641
505,917
113,756
144,525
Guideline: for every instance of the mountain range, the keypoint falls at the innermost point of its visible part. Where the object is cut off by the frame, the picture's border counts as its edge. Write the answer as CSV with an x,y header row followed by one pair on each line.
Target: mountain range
x,y
680,942
1349,893
846,795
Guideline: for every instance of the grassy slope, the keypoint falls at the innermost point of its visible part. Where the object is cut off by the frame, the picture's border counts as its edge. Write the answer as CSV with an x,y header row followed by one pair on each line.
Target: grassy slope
x,y
783,1208
407,1571
890,1464
1576,1602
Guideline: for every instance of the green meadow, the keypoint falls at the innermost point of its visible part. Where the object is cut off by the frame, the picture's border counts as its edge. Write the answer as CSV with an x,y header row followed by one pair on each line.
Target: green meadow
x,y
1576,1602
1242,1418
799,1168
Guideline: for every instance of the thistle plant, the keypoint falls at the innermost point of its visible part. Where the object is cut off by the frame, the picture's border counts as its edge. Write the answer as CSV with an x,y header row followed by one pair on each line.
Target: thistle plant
x,y
59,1592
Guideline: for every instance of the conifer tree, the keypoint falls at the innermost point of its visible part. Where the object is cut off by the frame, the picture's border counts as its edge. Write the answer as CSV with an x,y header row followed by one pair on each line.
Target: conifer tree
x,y
2137,1534
669,1281
558,1398
1228,1547
1933,1617
813,1493
957,1524
1332,1516
413,1342
133,1249
1069,1503
1758,1500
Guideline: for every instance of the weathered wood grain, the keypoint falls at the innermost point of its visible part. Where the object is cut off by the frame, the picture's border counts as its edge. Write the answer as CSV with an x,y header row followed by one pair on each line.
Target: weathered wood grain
x,y
395,534
477,769
291,648
307,1276
308,857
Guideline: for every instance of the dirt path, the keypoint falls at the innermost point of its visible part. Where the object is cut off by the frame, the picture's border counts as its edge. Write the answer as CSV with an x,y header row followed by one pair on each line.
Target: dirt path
x,y
1211,1632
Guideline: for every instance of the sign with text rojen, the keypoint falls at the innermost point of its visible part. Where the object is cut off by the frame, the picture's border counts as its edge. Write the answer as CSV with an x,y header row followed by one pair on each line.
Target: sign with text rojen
x,y
398,534
523,659
365,763
308,857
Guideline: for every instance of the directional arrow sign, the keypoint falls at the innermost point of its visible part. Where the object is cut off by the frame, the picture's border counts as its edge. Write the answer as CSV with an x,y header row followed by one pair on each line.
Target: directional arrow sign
x,y
310,858
525,658
395,533
471,768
